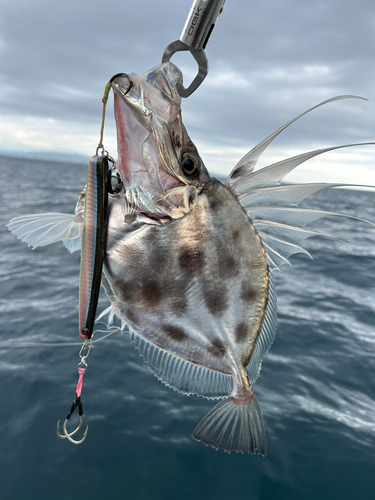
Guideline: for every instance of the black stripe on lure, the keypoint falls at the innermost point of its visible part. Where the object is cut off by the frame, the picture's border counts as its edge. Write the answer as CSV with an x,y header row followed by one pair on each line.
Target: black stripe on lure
x,y
93,243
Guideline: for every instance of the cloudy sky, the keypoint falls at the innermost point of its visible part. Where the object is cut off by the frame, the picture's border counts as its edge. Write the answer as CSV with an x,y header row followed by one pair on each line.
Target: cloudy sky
x,y
269,61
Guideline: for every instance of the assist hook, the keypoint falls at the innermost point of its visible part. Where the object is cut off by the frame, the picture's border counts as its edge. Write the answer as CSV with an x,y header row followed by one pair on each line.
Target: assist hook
x,y
68,435
77,403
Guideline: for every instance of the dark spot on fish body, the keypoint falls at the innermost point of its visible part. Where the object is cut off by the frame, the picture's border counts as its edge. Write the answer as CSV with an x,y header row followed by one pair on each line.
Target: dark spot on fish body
x,y
175,332
248,293
214,203
241,332
217,348
157,253
236,233
228,266
215,298
142,295
152,293
126,291
191,259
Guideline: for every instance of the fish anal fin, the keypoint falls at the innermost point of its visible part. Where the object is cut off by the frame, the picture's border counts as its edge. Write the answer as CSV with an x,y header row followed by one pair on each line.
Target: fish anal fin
x,y
179,374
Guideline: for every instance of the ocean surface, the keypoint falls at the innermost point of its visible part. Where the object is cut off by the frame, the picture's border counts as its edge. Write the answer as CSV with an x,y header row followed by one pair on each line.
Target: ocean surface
x,y
316,388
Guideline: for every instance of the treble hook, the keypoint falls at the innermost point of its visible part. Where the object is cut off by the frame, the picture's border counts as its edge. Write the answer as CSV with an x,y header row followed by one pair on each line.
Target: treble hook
x,y
77,403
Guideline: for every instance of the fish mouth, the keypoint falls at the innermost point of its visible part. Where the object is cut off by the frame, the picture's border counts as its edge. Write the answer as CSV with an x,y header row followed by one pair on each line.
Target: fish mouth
x,y
123,84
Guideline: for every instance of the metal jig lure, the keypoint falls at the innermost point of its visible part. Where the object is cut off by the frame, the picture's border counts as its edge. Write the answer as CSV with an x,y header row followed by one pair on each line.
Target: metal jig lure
x,y
99,183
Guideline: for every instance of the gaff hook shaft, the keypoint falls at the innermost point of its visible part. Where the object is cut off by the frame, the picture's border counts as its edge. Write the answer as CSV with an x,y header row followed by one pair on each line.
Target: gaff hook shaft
x,y
77,403
201,22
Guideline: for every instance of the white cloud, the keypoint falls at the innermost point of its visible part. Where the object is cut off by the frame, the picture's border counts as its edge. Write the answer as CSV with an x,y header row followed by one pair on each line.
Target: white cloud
x,y
28,134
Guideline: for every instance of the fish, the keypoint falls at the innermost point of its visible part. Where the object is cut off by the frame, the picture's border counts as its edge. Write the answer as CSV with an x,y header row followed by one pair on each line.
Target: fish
x,y
189,261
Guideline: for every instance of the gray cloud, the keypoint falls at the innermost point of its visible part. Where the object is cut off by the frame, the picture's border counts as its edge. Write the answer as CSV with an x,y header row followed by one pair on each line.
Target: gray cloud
x,y
269,61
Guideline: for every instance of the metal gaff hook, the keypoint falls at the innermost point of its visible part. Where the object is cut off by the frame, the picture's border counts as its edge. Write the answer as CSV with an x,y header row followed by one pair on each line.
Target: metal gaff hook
x,y
77,403
199,56
194,37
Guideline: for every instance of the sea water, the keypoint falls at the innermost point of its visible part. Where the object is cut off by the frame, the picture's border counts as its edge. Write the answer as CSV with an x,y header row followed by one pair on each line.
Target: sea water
x,y
316,388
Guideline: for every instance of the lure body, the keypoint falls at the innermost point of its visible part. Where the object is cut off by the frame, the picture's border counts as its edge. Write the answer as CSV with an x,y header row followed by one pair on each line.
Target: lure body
x,y
93,243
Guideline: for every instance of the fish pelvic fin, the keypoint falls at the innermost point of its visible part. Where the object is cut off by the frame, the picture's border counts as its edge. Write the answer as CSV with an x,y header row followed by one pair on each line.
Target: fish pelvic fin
x,y
230,426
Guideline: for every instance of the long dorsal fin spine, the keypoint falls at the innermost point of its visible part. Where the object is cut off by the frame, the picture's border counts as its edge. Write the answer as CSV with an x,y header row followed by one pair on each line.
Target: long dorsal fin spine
x,y
273,175
247,164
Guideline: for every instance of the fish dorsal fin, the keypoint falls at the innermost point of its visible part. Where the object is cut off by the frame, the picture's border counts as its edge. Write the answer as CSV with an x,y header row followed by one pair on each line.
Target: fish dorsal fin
x,y
39,230
270,205
181,375
247,164
274,174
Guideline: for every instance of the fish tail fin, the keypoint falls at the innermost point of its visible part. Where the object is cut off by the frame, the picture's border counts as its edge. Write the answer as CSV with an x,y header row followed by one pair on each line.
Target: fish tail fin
x,y
236,427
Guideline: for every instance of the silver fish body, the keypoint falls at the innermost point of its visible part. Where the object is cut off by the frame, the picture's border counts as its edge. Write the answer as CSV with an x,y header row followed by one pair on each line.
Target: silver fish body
x,y
189,261
206,297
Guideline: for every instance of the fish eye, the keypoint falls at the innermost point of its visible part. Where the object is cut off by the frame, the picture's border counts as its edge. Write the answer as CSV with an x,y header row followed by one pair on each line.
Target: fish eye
x,y
190,165
115,183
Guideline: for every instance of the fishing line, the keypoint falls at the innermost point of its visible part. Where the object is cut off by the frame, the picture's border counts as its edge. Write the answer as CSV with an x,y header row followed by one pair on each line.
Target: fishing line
x,y
6,345
107,90
105,97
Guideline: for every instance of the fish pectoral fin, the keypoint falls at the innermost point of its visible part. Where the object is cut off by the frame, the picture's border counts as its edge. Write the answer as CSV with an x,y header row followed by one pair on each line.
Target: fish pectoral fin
x,y
233,427
39,230
73,244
